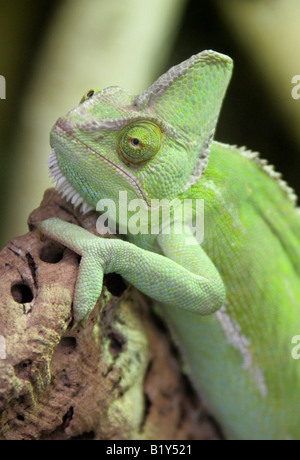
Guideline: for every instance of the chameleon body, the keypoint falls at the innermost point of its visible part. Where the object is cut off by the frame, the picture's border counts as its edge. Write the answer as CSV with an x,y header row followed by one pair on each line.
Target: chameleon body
x,y
232,302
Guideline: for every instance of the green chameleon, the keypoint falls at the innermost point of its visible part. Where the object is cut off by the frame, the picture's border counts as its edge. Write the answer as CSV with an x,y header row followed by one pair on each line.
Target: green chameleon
x,y
232,302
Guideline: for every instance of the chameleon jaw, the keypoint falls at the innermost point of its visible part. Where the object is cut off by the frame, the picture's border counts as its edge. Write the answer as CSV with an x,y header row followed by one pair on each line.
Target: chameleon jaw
x,y
64,187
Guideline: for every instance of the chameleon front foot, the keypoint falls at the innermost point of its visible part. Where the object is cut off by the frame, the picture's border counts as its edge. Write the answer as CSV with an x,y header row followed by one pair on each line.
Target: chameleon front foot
x,y
91,269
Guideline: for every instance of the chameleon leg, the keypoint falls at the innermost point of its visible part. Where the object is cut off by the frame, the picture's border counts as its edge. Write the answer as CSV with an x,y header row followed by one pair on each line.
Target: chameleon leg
x,y
165,280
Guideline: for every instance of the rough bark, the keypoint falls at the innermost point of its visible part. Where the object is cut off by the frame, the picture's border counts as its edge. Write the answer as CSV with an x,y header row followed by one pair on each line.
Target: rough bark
x,y
116,377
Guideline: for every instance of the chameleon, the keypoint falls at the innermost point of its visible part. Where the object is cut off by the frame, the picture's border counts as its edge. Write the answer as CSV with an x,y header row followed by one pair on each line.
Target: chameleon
x,y
231,300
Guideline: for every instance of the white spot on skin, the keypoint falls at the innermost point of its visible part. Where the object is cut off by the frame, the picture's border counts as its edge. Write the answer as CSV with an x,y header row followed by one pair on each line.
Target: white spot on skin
x,y
241,343
229,207
2,347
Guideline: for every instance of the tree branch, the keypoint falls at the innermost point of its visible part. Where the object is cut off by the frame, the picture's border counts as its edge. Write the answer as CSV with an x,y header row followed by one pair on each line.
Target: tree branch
x,y
117,377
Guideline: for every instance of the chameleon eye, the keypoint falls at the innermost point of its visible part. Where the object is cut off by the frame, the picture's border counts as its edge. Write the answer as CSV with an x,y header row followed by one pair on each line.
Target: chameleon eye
x,y
139,142
88,95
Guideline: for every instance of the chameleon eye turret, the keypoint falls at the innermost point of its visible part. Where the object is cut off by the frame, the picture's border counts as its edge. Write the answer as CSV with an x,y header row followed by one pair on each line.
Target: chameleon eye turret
x,y
90,93
87,95
139,142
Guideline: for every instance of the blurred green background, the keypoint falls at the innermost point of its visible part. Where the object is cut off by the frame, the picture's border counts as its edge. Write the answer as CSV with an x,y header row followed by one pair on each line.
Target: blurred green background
x,y
51,52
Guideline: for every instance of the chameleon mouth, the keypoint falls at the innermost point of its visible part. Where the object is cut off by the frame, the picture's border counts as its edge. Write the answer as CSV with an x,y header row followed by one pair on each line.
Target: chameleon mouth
x,y
64,187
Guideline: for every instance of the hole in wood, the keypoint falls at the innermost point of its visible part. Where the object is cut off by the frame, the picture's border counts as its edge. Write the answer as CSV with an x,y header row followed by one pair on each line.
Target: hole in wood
x,y
21,293
51,253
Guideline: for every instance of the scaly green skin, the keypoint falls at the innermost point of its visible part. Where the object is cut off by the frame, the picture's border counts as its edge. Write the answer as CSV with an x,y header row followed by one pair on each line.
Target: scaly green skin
x,y
233,301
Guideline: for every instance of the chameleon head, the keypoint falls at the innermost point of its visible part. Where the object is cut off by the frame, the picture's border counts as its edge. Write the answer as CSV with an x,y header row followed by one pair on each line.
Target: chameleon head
x,y
154,145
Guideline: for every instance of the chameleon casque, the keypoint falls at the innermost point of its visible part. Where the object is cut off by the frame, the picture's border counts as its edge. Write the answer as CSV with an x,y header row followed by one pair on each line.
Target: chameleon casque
x,y
232,302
